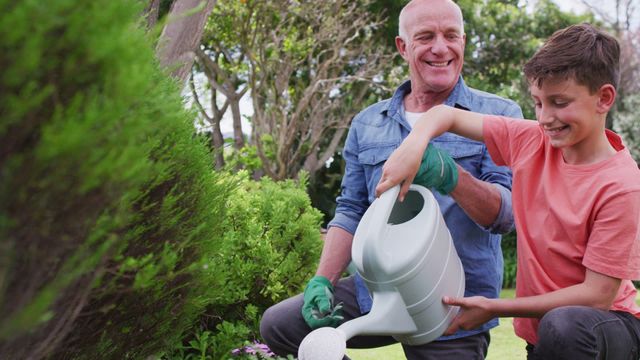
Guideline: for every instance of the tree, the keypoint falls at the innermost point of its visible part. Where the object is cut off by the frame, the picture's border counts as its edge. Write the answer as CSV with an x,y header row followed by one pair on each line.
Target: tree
x,y
501,37
625,116
309,67
181,35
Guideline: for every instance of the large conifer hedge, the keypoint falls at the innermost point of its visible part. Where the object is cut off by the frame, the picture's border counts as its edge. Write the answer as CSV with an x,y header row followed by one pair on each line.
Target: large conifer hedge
x,y
111,217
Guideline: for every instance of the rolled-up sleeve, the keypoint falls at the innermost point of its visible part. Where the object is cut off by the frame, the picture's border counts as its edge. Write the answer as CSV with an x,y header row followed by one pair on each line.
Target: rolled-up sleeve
x,y
353,199
504,221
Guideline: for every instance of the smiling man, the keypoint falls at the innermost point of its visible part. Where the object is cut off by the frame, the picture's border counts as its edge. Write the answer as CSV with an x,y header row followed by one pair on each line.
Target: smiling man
x,y
475,199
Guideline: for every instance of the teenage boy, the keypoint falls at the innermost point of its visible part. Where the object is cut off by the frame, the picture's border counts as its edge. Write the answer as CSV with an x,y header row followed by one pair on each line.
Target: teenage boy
x,y
576,202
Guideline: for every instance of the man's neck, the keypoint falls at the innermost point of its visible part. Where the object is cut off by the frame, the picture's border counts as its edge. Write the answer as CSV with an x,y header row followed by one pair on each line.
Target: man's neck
x,y
420,101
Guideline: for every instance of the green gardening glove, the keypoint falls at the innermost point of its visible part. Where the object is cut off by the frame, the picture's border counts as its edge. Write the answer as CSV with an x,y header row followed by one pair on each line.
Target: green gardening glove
x,y
437,170
318,309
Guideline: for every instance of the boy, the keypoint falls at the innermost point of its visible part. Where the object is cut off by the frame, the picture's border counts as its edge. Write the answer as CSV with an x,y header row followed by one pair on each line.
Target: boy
x,y
576,201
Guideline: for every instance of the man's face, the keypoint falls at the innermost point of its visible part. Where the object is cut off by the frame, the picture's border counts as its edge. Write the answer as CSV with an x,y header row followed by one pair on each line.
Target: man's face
x,y
434,46
569,114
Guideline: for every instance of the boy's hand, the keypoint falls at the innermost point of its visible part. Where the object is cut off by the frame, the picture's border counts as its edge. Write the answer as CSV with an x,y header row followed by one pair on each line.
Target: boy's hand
x,y
474,311
437,170
318,309
401,167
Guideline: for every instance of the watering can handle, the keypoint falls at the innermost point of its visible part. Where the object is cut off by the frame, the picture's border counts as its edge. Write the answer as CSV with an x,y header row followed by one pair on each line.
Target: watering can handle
x,y
384,204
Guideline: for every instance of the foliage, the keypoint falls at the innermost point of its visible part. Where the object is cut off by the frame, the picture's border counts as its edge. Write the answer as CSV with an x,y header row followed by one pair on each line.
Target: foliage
x,y
309,67
501,37
508,245
109,208
627,124
116,235
271,244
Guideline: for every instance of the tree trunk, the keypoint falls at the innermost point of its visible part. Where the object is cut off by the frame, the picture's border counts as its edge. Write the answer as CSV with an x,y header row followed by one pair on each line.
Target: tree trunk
x,y
181,36
151,12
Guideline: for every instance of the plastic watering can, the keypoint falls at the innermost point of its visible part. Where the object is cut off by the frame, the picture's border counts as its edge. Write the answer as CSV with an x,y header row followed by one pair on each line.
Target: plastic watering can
x,y
405,254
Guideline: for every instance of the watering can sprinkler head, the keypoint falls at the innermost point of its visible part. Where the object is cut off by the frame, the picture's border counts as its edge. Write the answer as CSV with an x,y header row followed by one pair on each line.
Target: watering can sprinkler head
x,y
325,343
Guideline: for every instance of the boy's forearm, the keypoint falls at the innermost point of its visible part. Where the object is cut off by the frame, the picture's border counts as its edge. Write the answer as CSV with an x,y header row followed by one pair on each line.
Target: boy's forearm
x,y
597,294
442,118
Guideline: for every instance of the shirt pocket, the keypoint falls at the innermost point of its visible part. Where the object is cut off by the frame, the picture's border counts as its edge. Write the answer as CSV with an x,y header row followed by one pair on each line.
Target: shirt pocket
x,y
467,154
372,159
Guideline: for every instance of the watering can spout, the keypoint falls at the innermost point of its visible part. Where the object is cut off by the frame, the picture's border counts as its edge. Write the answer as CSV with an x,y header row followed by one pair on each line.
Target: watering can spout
x,y
388,315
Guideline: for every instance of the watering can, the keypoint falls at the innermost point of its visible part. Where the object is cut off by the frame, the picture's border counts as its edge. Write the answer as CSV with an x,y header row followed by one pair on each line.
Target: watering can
x,y
404,253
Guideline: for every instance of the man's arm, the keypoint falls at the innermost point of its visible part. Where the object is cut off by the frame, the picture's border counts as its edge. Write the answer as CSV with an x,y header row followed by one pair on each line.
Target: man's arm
x,y
480,200
336,254
597,291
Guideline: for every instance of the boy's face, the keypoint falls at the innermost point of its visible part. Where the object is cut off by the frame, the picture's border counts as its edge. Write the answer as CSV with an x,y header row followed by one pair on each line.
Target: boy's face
x,y
569,114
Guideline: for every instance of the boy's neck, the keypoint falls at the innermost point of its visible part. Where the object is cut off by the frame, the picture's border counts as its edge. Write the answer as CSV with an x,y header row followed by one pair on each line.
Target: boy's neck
x,y
599,149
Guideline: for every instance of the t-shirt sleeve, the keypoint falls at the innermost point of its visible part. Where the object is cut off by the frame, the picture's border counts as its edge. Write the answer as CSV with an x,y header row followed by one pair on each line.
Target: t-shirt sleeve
x,y
613,247
509,140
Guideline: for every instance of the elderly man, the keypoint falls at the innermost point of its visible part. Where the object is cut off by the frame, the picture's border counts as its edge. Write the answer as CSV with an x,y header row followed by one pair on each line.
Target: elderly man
x,y
473,193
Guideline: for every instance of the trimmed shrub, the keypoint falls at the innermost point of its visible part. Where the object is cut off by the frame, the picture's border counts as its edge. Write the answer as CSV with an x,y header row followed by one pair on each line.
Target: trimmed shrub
x,y
271,245
109,209
114,241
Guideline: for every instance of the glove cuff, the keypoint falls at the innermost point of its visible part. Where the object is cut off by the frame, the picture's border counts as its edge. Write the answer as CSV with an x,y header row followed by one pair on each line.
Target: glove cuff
x,y
321,280
450,185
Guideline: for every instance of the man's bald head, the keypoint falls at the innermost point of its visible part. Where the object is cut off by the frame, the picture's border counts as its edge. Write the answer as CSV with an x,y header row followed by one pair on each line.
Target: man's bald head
x,y
432,6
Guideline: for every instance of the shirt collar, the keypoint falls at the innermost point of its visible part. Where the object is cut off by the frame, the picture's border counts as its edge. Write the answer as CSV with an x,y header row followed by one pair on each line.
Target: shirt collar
x,y
460,97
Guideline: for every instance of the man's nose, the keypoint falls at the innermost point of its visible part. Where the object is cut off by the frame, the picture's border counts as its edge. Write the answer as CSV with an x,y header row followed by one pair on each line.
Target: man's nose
x,y
439,45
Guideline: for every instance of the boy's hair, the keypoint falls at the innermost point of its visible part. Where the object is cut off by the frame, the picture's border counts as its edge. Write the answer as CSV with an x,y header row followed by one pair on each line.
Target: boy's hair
x,y
589,56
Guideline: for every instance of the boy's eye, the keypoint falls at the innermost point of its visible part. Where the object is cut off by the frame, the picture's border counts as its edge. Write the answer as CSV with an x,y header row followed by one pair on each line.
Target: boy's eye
x,y
560,104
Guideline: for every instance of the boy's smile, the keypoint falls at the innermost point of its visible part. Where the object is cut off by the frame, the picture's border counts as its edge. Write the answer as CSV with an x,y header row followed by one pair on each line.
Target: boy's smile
x,y
573,118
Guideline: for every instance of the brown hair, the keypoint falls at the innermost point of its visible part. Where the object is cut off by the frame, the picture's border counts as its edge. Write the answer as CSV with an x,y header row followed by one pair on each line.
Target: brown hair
x,y
590,56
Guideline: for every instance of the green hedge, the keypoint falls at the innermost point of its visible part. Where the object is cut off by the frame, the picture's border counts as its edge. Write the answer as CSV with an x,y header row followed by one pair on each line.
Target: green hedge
x,y
114,238
271,245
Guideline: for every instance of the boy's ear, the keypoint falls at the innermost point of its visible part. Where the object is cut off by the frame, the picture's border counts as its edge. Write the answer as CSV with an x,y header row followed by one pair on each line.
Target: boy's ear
x,y
606,98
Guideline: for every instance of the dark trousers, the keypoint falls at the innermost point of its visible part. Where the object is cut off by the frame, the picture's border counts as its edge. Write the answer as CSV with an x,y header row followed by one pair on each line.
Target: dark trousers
x,y
580,332
283,328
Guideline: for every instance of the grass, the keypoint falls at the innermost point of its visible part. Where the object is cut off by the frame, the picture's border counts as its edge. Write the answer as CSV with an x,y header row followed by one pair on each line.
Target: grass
x,y
504,344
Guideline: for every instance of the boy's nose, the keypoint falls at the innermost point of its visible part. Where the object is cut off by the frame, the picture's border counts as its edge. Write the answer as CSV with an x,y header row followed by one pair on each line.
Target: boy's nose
x,y
545,116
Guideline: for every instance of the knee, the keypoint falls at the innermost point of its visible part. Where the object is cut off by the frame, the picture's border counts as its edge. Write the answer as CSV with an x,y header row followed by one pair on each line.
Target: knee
x,y
560,329
268,323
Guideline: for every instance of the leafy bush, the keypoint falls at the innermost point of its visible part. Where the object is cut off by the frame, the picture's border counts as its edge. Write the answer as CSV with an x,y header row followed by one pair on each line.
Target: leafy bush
x,y
271,245
109,209
510,262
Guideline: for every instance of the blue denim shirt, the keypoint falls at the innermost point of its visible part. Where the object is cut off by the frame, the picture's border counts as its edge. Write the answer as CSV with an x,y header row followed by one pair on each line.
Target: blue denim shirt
x,y
377,131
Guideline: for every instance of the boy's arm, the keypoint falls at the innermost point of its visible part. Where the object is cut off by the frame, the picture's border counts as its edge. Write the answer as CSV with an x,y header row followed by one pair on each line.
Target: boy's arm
x,y
402,166
597,291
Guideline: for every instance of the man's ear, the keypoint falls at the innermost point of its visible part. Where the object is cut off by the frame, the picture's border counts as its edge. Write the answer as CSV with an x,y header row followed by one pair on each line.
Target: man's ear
x,y
401,45
606,98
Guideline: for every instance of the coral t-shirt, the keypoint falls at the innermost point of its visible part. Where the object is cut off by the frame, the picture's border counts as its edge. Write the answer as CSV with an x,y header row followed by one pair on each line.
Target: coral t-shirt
x,y
568,217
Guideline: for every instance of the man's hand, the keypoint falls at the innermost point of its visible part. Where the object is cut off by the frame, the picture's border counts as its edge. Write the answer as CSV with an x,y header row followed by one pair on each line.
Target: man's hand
x,y
437,170
318,309
474,311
